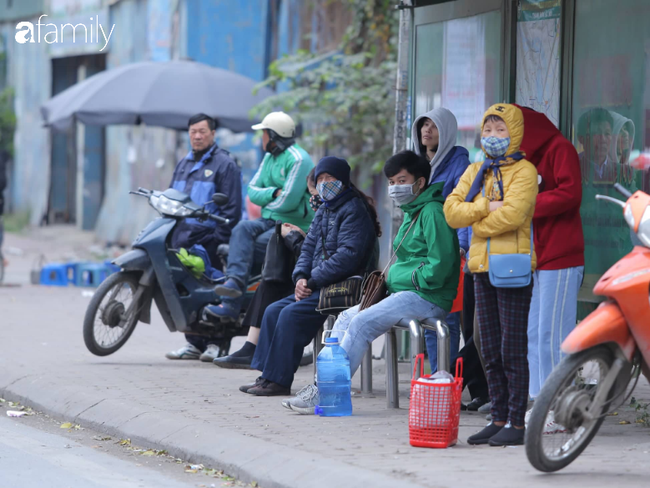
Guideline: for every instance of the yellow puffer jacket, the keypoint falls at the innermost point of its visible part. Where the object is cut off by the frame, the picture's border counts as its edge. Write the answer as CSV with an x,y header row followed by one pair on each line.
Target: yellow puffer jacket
x,y
508,226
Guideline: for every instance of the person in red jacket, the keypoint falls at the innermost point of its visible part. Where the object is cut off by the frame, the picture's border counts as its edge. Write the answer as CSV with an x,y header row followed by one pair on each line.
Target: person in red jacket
x,y
559,244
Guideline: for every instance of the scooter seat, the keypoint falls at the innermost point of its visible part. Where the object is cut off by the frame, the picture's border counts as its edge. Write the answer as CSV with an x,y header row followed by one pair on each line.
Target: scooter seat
x,y
223,250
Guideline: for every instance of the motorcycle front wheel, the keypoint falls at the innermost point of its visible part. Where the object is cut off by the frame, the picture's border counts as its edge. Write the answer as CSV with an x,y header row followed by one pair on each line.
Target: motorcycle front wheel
x,y
111,315
564,421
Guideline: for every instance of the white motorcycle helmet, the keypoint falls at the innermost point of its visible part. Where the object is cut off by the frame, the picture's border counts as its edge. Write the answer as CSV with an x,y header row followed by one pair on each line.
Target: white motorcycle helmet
x,y
282,130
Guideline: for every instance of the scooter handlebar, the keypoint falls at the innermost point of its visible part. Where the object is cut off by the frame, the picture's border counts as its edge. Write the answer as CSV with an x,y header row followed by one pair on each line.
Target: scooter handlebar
x,y
219,219
622,190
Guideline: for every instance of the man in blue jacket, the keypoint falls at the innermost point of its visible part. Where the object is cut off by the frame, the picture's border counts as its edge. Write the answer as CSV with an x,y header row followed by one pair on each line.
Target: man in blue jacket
x,y
434,137
207,169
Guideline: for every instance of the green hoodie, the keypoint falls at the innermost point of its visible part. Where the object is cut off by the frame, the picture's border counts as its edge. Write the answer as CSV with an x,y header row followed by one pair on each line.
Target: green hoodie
x,y
286,172
428,263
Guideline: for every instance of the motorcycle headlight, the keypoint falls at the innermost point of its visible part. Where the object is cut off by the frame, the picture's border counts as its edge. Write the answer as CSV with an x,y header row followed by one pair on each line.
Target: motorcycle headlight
x,y
169,207
644,228
629,218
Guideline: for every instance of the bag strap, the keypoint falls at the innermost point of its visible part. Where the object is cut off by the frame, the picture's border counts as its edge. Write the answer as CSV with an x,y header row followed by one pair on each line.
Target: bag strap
x,y
532,241
401,242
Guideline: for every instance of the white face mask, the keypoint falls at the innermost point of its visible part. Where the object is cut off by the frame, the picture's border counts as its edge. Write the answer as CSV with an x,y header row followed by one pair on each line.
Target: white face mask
x,y
402,194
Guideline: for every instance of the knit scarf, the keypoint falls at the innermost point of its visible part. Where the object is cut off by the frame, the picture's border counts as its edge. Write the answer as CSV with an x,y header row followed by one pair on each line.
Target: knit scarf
x,y
497,183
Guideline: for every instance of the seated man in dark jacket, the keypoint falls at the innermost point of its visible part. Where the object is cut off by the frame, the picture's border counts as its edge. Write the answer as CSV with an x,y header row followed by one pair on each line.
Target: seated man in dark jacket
x,y
338,245
206,170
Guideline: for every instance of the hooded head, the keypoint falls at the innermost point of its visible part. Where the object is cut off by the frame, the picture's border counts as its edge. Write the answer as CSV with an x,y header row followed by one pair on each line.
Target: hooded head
x,y
595,134
535,139
514,120
447,127
622,139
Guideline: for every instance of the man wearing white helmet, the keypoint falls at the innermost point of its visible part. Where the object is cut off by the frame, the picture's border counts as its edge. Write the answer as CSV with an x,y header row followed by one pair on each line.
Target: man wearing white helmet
x,y
280,188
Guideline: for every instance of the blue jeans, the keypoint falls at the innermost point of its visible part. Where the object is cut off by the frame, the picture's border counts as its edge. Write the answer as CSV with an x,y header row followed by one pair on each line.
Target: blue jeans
x,y
248,244
453,321
552,316
364,327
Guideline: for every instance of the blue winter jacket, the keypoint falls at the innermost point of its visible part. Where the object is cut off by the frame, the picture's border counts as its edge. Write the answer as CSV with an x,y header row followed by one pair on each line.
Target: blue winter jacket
x,y
216,172
349,234
450,170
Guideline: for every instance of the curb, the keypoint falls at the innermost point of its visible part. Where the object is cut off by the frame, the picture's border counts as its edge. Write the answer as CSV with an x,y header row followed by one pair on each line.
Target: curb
x,y
244,457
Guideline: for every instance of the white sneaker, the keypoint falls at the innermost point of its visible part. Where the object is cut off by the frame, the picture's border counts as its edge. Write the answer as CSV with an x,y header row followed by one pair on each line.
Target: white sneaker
x,y
551,426
304,401
211,352
527,417
188,351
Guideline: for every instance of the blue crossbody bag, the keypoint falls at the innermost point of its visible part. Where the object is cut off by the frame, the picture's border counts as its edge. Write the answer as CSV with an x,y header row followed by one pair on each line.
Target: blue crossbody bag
x,y
510,270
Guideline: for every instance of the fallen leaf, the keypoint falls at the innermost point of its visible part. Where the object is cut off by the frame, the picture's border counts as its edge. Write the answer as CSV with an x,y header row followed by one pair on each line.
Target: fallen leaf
x,y
624,422
101,438
67,425
125,442
191,470
148,453
254,484
613,414
78,427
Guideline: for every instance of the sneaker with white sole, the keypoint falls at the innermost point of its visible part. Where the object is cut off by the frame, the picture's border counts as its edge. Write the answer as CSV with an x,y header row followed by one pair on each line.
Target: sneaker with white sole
x,y
211,352
550,426
304,401
485,408
188,351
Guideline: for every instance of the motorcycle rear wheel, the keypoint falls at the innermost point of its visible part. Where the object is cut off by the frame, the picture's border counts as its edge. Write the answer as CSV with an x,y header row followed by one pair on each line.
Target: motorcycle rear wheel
x,y
106,325
567,395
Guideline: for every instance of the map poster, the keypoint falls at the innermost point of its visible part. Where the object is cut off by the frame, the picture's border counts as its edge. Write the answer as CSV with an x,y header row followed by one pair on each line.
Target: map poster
x,y
538,57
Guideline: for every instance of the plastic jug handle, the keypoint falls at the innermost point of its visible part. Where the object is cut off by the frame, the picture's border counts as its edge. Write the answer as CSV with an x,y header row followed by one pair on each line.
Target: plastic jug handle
x,y
419,359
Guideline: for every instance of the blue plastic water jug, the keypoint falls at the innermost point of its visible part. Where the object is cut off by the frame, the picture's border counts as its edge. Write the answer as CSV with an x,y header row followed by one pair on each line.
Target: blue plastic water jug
x,y
333,371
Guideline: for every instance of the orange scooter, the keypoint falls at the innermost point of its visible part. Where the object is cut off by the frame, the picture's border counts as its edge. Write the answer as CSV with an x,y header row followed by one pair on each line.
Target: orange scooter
x,y
606,352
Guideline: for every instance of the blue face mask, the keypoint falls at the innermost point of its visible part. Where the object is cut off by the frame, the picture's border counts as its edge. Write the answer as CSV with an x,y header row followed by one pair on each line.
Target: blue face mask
x,y
495,146
329,190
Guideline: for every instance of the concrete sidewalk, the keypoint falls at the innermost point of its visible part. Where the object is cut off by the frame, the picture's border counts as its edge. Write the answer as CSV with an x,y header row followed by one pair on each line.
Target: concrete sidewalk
x,y
195,411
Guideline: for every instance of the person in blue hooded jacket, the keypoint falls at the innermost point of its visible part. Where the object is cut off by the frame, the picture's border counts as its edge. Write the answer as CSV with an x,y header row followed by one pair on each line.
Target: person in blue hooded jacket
x,y
434,138
207,169
339,245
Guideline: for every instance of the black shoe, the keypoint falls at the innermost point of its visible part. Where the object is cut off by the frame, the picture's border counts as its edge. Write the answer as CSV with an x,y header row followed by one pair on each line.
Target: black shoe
x,y
268,388
477,403
245,388
484,436
234,362
508,436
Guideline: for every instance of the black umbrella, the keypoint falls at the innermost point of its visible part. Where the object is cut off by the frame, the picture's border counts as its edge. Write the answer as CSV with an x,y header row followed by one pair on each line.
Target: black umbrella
x,y
163,94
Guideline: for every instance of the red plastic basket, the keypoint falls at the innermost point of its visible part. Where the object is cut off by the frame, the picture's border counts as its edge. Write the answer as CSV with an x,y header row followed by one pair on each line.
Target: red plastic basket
x,y
434,410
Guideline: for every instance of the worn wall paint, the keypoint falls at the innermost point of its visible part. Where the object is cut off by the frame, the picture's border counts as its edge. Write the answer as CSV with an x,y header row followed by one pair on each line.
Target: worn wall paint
x,y
28,72
136,155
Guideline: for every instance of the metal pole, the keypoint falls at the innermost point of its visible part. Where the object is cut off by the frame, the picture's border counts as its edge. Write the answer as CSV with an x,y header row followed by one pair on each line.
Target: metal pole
x,y
401,97
392,392
417,342
366,373
444,345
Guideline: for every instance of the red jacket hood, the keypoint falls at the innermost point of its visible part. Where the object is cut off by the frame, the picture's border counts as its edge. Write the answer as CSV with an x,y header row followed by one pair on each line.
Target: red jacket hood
x,y
535,139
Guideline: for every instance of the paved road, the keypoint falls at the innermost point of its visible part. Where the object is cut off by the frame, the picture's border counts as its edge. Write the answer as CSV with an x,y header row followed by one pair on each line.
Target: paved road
x,y
33,458
195,411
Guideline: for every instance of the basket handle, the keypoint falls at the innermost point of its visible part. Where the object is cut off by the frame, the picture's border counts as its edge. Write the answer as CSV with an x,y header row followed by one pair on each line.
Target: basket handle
x,y
459,368
419,359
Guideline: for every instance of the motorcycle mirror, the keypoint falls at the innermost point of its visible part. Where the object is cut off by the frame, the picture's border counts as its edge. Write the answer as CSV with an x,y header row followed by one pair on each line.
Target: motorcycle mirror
x,y
220,198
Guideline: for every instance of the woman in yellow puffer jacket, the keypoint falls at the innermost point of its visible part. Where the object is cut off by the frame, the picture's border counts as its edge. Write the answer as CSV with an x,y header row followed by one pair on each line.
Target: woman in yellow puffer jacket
x,y
497,199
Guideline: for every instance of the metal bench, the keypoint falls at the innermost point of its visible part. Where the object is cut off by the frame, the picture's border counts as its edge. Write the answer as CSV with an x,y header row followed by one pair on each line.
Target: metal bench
x,y
416,328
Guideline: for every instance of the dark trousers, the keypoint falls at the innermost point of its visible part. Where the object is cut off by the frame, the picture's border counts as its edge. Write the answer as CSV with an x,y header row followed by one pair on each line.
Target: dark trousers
x,y
503,325
473,373
287,327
